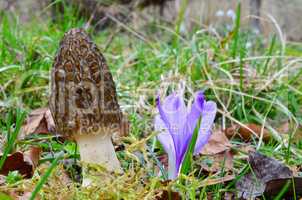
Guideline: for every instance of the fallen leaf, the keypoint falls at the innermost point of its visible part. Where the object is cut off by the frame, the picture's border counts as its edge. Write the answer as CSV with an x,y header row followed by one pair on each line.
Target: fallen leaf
x,y
249,187
217,143
245,132
264,169
39,121
268,168
275,186
33,155
165,194
17,162
218,162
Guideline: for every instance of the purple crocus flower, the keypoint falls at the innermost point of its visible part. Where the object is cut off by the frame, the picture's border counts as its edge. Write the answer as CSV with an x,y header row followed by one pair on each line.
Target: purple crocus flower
x,y
176,123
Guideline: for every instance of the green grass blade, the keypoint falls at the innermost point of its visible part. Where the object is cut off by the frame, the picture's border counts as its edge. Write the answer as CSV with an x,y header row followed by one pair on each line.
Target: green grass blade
x,y
270,52
11,137
158,163
283,190
179,19
242,55
187,162
236,31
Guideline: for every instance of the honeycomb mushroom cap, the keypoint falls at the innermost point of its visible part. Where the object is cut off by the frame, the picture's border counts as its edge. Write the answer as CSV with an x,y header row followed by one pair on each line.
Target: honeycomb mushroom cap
x,y
83,95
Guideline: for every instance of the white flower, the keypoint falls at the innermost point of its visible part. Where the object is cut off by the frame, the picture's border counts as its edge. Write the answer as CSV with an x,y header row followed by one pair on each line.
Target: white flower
x,y
219,13
230,13
248,45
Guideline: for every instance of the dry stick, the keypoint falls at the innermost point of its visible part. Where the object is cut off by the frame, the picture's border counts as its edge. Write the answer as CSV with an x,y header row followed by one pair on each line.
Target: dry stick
x,y
87,25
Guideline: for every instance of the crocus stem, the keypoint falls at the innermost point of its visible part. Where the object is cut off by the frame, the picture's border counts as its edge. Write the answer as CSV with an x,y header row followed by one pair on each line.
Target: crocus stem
x,y
172,173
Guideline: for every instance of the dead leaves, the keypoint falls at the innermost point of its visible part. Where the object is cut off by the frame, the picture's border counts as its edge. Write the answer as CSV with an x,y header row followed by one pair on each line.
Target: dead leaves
x,y
218,154
39,121
167,192
265,172
246,132
33,155
275,186
218,162
18,162
249,130
217,143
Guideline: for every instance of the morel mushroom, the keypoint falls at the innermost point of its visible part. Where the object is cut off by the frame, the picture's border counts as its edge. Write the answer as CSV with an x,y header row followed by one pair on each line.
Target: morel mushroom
x,y
83,99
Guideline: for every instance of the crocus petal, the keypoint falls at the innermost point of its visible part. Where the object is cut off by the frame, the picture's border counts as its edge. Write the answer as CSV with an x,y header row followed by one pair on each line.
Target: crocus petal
x,y
176,127
207,120
196,110
174,113
166,140
164,137
191,121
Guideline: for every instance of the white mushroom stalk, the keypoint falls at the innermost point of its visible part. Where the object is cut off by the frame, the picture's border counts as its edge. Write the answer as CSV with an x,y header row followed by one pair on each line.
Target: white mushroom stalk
x,y
98,149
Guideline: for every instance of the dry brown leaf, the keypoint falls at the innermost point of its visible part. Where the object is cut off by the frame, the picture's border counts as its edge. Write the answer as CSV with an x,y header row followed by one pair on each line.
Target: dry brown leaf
x,y
17,162
244,132
217,143
274,187
39,121
33,155
264,170
217,162
165,194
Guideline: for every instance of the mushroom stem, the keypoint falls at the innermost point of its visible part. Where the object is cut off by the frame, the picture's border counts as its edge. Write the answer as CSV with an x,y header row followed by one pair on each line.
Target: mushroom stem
x,y
97,149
